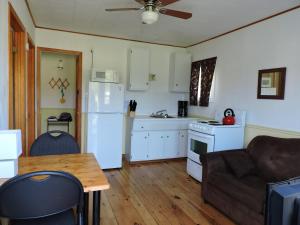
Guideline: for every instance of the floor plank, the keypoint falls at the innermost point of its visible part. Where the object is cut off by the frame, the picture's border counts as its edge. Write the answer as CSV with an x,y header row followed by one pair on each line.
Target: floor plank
x,y
156,194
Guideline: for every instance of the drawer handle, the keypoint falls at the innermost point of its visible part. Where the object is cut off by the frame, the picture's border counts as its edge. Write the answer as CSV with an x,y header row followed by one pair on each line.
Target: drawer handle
x,y
142,127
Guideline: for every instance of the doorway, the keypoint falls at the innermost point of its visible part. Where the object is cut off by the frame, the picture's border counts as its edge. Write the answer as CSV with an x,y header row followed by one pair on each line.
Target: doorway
x,y
59,90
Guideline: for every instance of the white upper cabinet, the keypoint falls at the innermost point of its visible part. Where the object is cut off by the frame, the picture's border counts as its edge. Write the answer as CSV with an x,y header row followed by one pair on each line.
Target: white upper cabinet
x,y
180,72
138,69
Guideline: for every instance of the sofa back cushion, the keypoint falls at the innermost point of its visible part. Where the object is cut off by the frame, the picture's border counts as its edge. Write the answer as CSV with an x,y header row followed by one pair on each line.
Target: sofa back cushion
x,y
276,158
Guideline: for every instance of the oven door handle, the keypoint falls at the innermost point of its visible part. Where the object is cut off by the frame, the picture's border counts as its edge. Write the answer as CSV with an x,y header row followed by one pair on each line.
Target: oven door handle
x,y
199,134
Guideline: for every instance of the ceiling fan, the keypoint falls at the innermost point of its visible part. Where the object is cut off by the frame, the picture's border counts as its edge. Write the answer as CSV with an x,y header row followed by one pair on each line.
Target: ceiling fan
x,y
152,8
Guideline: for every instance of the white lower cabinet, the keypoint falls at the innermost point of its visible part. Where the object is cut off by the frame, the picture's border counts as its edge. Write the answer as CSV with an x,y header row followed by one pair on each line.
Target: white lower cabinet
x,y
170,144
139,146
155,145
183,143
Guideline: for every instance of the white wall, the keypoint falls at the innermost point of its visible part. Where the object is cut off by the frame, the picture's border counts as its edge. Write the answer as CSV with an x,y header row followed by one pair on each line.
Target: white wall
x,y
270,44
23,13
50,97
21,10
112,54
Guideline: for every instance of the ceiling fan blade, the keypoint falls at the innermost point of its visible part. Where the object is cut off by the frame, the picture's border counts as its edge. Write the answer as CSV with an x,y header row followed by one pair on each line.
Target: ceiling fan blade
x,y
167,2
122,9
141,2
175,13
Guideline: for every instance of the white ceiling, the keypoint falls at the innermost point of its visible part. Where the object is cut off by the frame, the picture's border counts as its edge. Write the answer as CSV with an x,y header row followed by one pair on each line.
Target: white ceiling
x,y
210,18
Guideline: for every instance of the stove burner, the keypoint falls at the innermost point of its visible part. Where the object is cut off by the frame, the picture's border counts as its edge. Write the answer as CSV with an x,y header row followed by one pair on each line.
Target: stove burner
x,y
211,122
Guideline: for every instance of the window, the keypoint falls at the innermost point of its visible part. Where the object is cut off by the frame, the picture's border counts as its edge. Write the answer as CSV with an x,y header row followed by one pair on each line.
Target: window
x,y
212,90
202,82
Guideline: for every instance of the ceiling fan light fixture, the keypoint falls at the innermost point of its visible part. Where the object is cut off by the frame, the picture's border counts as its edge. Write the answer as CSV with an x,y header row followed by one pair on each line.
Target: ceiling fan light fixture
x,y
150,16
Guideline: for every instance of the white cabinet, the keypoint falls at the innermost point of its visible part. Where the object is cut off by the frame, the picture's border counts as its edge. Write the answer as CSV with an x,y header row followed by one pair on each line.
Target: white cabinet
x,y
139,146
155,139
183,143
155,145
138,69
180,72
171,144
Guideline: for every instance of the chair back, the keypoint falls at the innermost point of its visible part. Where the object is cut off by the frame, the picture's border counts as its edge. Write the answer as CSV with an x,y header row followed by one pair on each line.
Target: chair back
x,y
40,194
54,143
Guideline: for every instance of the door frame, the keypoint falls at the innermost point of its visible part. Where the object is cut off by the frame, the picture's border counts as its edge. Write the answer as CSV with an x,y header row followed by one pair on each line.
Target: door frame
x,y
30,112
78,106
17,80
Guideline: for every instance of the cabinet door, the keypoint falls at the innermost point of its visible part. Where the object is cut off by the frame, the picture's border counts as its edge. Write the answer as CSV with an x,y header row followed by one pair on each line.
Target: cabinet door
x,y
171,144
139,146
138,69
180,69
156,145
183,143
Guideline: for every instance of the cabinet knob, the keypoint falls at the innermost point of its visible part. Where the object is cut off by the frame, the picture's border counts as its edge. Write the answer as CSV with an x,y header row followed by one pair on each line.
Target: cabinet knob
x,y
167,136
147,83
142,127
176,85
161,136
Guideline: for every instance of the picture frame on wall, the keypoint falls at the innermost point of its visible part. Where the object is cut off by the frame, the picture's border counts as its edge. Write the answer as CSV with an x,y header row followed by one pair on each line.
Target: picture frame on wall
x,y
271,83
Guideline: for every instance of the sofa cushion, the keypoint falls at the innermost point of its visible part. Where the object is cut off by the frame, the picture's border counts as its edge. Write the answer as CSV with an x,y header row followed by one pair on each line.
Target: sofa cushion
x,y
249,190
276,158
240,163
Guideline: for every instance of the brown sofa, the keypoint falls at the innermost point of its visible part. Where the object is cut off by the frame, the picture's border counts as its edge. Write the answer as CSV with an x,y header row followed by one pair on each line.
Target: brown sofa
x,y
235,181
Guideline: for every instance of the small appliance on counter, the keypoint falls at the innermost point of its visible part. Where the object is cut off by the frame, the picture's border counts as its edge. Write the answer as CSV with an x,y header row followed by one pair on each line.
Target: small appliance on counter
x,y
182,108
104,76
229,117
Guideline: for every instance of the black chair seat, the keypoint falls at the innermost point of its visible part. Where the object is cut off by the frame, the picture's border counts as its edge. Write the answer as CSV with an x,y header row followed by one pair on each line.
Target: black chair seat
x,y
64,218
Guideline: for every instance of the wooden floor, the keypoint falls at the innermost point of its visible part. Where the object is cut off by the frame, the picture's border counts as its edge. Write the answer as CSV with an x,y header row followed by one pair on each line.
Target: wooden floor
x,y
156,194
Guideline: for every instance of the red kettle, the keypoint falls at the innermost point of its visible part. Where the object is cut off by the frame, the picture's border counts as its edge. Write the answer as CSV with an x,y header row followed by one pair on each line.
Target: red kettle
x,y
229,117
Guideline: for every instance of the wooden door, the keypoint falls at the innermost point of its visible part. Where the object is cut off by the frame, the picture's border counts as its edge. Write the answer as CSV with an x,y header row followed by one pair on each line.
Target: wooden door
x,y
30,122
17,75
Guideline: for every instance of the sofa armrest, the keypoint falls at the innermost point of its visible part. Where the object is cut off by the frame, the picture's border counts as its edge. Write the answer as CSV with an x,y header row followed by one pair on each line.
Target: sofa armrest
x,y
213,162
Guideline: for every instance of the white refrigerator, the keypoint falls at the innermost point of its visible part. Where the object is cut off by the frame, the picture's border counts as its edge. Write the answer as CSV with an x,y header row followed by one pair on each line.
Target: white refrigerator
x,y
105,123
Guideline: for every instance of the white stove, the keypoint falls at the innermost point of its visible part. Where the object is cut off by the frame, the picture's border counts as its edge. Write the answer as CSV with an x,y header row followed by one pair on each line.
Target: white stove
x,y
211,136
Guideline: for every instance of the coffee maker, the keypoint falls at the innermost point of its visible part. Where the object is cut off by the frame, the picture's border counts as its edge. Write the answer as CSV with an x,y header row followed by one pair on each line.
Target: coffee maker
x,y
182,108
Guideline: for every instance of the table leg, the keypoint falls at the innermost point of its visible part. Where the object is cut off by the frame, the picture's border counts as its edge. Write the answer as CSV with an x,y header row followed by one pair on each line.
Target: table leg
x,y
96,207
86,209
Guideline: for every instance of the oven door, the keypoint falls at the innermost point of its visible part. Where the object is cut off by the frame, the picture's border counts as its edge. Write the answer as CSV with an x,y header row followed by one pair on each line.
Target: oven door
x,y
198,144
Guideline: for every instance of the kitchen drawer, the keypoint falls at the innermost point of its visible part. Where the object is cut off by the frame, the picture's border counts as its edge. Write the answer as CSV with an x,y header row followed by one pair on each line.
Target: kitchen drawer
x,y
159,124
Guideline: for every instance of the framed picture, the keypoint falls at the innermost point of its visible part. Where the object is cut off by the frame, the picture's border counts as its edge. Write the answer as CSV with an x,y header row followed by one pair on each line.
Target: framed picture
x,y
271,83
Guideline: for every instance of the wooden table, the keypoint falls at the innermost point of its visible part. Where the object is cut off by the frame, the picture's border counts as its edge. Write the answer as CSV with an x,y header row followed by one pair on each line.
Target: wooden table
x,y
82,166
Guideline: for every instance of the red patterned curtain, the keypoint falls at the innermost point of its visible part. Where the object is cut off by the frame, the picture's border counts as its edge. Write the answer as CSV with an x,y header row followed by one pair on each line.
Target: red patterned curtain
x,y
194,83
207,72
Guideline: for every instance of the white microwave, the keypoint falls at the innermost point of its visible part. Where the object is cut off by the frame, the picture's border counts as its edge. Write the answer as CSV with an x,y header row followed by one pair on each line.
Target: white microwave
x,y
107,76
